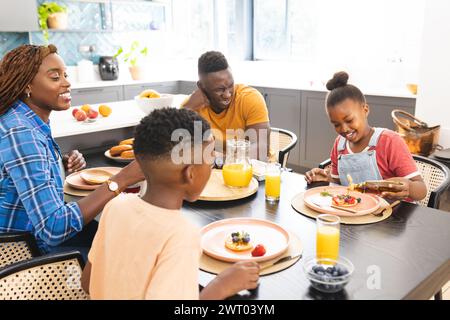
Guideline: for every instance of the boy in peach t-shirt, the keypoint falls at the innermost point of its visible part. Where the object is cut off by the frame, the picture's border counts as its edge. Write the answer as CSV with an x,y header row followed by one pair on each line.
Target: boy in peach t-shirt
x,y
144,247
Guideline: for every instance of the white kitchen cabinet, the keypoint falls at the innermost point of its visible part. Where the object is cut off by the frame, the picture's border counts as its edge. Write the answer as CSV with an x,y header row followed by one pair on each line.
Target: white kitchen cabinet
x,y
130,91
19,16
96,95
284,112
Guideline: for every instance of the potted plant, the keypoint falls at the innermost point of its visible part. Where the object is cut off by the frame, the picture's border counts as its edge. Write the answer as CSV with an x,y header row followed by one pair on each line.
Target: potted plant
x,y
52,15
134,57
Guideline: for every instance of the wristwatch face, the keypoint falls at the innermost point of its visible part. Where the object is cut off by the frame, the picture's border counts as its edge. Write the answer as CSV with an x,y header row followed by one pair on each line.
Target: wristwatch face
x,y
113,186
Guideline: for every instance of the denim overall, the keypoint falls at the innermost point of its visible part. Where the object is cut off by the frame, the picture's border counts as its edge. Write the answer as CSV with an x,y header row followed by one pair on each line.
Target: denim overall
x,y
362,166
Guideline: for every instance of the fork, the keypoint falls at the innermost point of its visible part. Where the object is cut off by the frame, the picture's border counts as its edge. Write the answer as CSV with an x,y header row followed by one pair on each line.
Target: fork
x,y
281,260
393,204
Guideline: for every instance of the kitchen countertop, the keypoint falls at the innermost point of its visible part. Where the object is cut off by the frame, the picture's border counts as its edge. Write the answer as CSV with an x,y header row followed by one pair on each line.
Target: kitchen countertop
x,y
124,114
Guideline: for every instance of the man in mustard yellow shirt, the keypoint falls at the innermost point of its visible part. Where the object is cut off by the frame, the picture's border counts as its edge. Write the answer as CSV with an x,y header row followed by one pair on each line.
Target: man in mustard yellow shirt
x,y
231,109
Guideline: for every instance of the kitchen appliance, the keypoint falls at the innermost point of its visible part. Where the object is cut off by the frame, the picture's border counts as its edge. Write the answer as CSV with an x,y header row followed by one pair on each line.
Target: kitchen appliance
x,y
108,68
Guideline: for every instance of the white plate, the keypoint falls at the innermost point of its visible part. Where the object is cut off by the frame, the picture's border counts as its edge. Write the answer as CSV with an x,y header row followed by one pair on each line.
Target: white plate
x,y
117,159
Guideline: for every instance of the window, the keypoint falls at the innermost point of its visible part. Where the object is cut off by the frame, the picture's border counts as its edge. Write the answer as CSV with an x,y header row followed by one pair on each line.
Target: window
x,y
345,31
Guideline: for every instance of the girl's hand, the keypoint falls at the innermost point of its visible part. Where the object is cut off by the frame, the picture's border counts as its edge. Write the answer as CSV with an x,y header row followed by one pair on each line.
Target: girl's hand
x,y
74,161
317,174
399,191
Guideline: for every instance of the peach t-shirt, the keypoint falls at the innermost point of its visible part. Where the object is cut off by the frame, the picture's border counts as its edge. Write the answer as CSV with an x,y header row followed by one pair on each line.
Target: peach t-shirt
x,y
142,251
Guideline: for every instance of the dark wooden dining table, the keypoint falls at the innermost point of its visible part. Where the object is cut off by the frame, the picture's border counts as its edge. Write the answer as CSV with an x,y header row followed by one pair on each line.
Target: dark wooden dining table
x,y
406,256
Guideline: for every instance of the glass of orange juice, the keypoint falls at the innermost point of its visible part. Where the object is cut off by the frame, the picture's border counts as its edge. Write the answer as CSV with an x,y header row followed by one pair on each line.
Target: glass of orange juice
x,y
328,230
273,182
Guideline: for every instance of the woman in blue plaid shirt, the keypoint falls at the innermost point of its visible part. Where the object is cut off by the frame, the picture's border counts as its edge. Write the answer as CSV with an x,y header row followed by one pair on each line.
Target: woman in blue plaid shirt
x,y
33,83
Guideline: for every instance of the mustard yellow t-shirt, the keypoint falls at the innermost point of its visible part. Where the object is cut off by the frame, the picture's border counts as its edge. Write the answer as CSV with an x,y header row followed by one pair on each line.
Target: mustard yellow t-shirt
x,y
247,108
141,251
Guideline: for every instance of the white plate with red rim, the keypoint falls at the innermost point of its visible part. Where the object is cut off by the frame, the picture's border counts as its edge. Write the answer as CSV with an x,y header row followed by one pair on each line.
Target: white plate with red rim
x,y
272,236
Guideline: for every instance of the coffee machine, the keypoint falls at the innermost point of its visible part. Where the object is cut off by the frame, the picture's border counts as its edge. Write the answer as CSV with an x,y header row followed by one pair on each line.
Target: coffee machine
x,y
108,68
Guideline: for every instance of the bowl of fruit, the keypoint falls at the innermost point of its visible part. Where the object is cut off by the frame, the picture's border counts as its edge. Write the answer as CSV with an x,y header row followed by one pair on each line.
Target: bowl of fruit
x,y
149,100
327,275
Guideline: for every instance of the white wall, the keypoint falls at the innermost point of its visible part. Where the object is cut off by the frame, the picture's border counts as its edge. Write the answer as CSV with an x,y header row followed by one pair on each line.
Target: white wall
x,y
433,100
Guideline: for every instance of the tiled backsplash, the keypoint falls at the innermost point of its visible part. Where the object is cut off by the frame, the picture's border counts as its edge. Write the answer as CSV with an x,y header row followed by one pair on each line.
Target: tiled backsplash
x,y
106,25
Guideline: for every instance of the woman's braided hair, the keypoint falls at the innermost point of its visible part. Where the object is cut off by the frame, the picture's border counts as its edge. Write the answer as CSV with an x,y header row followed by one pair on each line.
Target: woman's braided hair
x,y
17,69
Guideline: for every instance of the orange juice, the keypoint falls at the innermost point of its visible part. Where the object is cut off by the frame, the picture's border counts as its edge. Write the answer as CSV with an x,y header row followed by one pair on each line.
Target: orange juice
x,y
273,184
327,242
237,174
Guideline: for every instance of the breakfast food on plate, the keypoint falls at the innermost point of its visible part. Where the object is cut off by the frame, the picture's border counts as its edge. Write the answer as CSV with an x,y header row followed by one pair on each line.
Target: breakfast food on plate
x,y
238,241
117,150
104,110
95,176
345,200
259,251
127,141
129,154
149,93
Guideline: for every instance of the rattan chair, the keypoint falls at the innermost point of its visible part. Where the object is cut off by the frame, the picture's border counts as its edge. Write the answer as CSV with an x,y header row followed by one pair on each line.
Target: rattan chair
x,y
282,142
17,246
435,175
49,277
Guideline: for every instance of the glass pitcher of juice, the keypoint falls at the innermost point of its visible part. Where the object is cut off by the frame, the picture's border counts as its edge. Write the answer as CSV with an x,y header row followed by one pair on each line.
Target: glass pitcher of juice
x,y
237,170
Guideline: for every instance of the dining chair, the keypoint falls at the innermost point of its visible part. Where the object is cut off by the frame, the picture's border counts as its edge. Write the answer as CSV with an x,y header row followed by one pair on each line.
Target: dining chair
x,y
17,246
282,141
49,277
437,179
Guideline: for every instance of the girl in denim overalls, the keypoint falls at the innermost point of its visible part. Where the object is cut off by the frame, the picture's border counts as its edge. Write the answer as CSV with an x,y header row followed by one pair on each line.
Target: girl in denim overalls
x,y
355,149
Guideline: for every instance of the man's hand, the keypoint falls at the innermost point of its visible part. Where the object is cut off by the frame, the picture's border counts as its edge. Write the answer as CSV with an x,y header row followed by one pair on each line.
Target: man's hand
x,y
196,100
74,161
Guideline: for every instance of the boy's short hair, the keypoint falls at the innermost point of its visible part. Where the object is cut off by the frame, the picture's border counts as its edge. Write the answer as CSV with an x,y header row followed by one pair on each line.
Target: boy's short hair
x,y
153,135
212,61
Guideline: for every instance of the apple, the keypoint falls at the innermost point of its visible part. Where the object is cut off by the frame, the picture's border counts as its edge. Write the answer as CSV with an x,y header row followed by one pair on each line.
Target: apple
x,y
74,112
80,115
92,114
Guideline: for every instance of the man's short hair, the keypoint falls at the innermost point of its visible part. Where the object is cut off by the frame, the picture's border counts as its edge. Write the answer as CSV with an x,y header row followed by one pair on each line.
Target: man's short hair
x,y
153,135
212,61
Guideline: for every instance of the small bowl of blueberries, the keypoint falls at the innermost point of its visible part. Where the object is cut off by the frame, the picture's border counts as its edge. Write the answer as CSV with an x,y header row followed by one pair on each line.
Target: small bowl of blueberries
x,y
327,275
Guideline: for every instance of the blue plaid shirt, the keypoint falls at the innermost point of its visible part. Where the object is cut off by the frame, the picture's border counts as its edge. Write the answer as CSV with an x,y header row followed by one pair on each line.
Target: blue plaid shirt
x,y
31,185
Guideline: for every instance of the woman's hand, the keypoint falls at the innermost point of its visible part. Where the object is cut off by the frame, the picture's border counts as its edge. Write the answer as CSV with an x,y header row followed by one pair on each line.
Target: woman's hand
x,y
399,191
317,174
74,161
129,175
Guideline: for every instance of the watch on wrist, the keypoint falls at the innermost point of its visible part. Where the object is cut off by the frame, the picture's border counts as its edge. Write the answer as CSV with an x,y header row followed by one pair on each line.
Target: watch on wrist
x,y
113,186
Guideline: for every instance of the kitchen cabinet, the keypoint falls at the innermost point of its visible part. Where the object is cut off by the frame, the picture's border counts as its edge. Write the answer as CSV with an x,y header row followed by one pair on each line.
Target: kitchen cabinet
x,y
318,134
130,91
96,95
187,87
19,16
284,112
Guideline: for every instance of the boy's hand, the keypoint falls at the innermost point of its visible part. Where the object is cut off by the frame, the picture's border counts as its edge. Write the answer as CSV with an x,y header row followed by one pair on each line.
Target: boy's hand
x,y
240,276
74,161
317,174
399,191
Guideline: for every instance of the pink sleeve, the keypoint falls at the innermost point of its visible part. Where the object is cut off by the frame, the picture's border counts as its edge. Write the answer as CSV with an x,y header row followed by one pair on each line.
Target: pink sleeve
x,y
334,158
400,160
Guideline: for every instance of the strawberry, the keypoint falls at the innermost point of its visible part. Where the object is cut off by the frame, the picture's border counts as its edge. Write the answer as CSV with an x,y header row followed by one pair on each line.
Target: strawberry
x,y
259,251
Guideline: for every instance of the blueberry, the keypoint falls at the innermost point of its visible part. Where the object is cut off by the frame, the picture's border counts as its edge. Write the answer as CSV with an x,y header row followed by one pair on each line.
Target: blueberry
x,y
330,269
235,234
319,269
342,270
335,274
246,239
320,273
235,239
